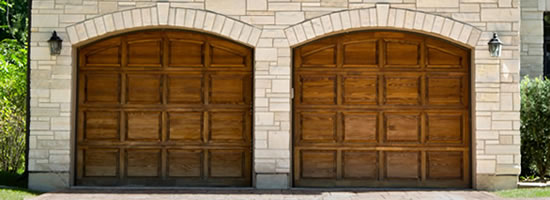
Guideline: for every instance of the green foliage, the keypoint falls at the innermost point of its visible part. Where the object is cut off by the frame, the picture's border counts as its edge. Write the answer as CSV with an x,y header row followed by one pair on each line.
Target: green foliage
x,y
535,129
13,89
14,20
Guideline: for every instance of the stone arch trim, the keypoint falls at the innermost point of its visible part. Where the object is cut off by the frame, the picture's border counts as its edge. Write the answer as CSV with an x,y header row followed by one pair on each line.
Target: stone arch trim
x,y
160,16
383,16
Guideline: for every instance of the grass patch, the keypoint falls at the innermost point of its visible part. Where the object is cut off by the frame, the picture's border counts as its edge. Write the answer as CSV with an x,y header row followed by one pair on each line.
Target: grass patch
x,y
525,193
16,193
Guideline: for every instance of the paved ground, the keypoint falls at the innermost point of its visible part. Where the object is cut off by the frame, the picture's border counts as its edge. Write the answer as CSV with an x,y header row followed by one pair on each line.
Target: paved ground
x,y
228,194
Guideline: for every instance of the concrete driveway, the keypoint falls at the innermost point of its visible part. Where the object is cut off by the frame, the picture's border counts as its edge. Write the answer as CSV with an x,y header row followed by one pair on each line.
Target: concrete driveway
x,y
294,194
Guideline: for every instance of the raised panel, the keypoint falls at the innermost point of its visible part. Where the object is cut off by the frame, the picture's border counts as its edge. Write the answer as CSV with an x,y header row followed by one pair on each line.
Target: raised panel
x,y
318,89
226,57
360,90
445,90
186,53
145,53
227,126
402,127
143,125
361,53
101,162
227,163
227,89
438,58
402,165
401,53
318,164
185,126
102,88
444,165
101,125
360,127
142,163
108,56
185,163
360,164
144,88
401,90
320,57
184,89
320,127
445,128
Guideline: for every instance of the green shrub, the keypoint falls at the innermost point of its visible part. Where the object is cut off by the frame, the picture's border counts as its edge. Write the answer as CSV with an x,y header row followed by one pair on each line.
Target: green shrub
x,y
13,69
535,126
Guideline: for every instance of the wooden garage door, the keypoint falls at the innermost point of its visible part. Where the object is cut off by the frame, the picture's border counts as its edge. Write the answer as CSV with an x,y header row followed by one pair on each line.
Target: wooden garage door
x,y
164,108
381,109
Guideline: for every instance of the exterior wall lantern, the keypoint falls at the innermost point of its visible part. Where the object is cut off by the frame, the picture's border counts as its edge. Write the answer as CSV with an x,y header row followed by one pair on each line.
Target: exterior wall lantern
x,y
55,44
495,46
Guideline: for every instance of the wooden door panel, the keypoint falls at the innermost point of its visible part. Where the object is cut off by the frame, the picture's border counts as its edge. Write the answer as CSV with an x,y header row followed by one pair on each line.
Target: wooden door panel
x,y
185,89
187,126
360,90
360,165
381,109
101,88
101,125
164,108
143,163
101,162
144,88
185,163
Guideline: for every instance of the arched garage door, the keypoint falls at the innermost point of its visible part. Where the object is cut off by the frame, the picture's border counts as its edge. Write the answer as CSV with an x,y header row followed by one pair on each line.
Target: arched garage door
x,y
381,109
164,108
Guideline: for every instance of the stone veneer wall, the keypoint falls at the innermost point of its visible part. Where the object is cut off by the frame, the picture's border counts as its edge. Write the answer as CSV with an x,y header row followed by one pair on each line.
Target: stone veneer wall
x,y
532,36
272,27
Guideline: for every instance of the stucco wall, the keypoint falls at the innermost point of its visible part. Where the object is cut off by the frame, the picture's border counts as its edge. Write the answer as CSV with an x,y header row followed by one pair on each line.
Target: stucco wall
x,y
272,27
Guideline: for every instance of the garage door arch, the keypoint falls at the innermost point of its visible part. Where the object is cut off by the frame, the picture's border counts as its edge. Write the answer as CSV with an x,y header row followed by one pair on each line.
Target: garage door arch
x,y
164,108
381,108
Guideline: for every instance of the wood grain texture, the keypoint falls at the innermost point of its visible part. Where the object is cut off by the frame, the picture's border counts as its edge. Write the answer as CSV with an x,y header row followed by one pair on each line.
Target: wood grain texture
x,y
381,109
164,108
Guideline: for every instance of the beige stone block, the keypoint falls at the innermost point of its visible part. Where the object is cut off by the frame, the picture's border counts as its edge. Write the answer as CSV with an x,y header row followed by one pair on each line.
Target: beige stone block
x,y
90,28
382,11
300,33
39,20
508,169
218,23
264,118
118,20
73,37
278,140
428,23
391,18
505,115
364,17
327,23
48,181
486,166
189,18
136,17
180,17
492,182
373,21
346,21
437,3
163,10
456,30
256,5
499,149
128,19
266,54
465,34
336,21
409,19
355,21
506,139
254,36
259,19
487,73
227,7
236,30
317,26
284,6
399,18
82,9
289,17
209,21
264,166
308,29
245,33
500,14
227,26
272,181
99,25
